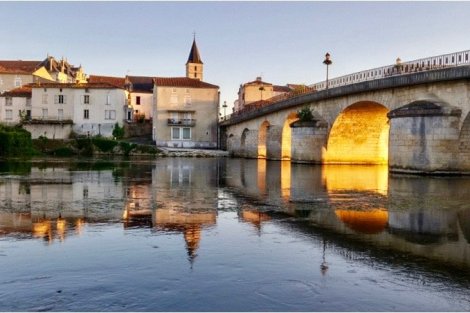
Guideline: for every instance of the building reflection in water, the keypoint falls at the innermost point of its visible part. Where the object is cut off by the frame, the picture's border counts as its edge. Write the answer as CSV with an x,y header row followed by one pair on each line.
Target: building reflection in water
x,y
285,180
251,215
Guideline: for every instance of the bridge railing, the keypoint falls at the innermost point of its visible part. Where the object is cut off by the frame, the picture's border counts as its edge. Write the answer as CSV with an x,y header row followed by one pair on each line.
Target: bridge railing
x,y
402,68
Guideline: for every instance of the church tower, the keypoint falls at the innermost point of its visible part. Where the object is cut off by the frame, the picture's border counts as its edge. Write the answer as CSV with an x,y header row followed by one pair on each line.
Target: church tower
x,y
194,64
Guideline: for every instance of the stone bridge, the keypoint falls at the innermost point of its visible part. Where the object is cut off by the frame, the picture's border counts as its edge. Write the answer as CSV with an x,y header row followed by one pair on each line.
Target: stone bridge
x,y
418,122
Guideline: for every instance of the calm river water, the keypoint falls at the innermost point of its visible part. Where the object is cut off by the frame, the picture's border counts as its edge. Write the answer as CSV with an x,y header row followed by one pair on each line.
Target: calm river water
x,y
181,234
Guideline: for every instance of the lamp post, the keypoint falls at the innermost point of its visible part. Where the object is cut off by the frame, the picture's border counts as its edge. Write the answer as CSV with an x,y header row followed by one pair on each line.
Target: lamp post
x,y
225,108
327,62
261,90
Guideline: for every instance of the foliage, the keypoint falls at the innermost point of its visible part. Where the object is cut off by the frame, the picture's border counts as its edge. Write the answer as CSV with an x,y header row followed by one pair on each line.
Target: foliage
x,y
305,114
118,131
147,149
104,144
85,146
15,141
63,152
127,147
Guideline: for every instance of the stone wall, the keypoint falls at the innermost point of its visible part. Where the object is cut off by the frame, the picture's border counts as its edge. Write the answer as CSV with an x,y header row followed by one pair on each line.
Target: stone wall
x,y
309,142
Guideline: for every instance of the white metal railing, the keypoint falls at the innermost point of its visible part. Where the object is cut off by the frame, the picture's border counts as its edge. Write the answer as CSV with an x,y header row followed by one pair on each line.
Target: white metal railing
x,y
401,68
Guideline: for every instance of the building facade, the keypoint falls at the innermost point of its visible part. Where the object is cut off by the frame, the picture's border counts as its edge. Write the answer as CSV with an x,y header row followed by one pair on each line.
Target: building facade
x,y
186,109
87,109
15,105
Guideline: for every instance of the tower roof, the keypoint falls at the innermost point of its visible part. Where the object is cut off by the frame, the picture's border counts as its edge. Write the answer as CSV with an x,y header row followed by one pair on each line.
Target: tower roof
x,y
194,56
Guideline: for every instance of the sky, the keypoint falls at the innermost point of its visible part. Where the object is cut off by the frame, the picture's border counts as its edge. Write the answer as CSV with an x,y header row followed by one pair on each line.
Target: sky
x,y
284,42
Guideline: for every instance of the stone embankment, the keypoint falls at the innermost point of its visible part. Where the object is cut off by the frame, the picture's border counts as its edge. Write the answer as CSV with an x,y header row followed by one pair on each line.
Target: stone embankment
x,y
195,153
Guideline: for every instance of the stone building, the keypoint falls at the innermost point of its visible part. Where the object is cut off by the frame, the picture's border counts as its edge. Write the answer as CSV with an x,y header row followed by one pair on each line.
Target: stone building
x,y
87,109
15,105
16,73
186,108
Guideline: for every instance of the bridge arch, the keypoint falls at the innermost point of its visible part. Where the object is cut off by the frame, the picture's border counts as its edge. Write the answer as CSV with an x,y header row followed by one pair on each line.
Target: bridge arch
x,y
262,139
359,135
286,137
243,149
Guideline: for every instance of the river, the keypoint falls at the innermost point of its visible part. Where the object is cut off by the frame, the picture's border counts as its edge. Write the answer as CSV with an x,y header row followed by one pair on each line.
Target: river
x,y
193,234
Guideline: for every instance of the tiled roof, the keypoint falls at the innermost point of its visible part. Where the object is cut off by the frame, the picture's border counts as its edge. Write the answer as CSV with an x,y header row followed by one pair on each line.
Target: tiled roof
x,y
116,81
277,88
19,67
141,83
182,82
194,56
24,91
103,85
258,82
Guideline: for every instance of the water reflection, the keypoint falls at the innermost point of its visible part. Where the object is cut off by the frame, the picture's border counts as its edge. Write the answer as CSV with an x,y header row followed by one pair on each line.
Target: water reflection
x,y
208,209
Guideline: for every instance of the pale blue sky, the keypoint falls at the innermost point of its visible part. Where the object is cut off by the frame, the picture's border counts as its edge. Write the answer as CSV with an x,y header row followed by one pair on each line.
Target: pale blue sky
x,y
284,41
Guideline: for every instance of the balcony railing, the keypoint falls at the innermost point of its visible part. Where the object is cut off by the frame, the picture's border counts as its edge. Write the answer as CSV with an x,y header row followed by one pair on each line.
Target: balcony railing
x,y
48,120
181,122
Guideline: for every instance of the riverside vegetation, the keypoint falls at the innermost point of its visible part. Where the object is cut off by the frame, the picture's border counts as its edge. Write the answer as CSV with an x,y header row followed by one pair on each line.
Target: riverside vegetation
x,y
17,142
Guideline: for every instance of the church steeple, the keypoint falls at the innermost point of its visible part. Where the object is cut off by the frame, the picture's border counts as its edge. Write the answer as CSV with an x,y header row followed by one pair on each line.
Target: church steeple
x,y
194,65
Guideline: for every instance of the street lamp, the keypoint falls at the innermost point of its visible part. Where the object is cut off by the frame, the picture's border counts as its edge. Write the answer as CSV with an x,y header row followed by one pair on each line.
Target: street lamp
x,y
327,62
225,108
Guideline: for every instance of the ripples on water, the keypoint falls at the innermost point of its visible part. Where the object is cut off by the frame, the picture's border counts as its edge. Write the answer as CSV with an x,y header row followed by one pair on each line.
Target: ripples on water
x,y
230,235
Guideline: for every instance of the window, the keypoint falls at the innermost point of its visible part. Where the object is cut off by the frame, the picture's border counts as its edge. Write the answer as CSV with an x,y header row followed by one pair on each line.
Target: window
x,y
17,82
108,99
86,114
175,133
195,68
44,98
1,81
45,113
195,75
187,100
137,100
8,101
173,90
60,114
86,99
8,114
187,90
110,114
59,99
186,133
180,133
28,114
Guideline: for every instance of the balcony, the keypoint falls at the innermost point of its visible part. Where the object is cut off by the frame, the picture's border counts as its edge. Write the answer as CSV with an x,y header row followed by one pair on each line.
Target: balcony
x,y
47,120
181,122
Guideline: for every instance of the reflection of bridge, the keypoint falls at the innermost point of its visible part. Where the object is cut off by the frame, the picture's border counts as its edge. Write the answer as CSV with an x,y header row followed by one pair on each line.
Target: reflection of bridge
x,y
413,116
404,214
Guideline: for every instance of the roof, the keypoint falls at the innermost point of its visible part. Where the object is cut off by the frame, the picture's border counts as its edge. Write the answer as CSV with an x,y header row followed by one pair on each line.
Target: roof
x,y
103,85
116,81
277,88
194,56
257,82
182,82
23,91
141,83
18,67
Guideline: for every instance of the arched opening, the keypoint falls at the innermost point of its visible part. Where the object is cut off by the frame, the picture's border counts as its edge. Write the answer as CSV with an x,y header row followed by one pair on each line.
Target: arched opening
x,y
243,141
262,136
359,135
286,138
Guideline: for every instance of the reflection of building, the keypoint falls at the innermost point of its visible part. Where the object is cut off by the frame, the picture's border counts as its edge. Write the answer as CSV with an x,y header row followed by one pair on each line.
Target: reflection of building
x,y
253,216
54,203
190,223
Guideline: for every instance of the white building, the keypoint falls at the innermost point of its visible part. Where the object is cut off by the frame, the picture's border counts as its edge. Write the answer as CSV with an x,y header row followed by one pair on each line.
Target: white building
x,y
15,105
87,109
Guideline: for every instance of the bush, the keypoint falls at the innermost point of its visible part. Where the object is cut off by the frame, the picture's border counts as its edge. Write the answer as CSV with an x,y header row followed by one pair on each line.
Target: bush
x,y
15,141
118,131
127,147
147,149
103,144
85,146
305,114
63,152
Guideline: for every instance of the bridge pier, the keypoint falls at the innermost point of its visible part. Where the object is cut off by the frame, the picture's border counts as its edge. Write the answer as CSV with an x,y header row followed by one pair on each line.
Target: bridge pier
x,y
424,138
273,143
308,141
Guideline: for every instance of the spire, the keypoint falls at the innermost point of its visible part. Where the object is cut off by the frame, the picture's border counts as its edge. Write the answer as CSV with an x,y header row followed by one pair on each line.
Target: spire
x,y
194,56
